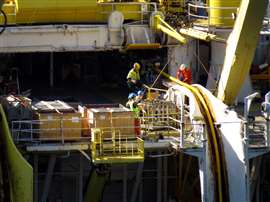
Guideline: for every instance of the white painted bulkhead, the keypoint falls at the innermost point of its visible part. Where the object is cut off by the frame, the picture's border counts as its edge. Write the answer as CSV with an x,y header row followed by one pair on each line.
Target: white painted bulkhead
x,y
182,54
268,10
60,38
217,59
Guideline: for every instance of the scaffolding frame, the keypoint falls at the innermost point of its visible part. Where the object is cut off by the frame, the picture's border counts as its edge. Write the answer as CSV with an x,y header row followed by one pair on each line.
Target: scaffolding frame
x,y
117,148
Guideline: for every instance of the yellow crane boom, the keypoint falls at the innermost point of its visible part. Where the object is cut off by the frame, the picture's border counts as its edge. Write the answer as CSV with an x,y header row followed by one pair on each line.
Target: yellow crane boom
x,y
240,49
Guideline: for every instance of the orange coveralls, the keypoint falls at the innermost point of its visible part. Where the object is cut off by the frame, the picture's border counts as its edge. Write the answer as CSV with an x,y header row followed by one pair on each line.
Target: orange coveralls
x,y
186,75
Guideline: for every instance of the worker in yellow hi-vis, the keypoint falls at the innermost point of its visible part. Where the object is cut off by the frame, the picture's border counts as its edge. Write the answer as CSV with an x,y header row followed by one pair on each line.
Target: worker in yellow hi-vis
x,y
133,78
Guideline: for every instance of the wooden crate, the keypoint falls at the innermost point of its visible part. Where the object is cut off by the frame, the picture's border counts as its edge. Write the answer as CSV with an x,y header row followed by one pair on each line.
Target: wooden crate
x,y
124,121
55,125
113,119
86,129
57,120
52,106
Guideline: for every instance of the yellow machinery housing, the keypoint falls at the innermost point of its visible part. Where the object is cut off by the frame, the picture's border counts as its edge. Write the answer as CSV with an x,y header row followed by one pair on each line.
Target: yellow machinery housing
x,y
174,6
221,12
67,11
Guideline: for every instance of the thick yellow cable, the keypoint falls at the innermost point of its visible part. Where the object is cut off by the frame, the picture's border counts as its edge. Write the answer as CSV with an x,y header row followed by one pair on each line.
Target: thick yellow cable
x,y
222,157
196,92
214,137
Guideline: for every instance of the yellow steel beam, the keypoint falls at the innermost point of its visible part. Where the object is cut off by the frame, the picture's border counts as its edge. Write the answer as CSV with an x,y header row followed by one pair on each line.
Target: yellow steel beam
x,y
95,186
172,34
240,50
197,34
143,46
118,159
160,24
161,21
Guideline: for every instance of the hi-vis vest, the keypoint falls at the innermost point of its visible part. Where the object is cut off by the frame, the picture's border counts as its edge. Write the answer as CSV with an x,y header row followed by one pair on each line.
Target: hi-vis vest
x,y
133,75
136,109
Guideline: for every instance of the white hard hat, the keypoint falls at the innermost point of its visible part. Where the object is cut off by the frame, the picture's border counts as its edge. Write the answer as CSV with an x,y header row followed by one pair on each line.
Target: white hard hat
x,y
183,66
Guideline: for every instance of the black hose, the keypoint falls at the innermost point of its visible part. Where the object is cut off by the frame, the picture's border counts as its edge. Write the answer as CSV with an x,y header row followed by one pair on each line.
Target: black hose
x,y
3,27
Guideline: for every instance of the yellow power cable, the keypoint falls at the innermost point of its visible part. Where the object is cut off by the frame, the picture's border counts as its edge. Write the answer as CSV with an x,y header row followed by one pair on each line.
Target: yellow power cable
x,y
210,108
203,104
214,136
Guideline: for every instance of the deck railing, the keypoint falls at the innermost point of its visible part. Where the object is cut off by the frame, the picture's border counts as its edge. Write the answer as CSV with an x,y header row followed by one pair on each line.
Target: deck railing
x,y
145,8
52,130
202,11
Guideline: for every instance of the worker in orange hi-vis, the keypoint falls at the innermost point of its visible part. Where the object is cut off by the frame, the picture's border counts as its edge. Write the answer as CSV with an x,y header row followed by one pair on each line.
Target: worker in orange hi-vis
x,y
184,74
